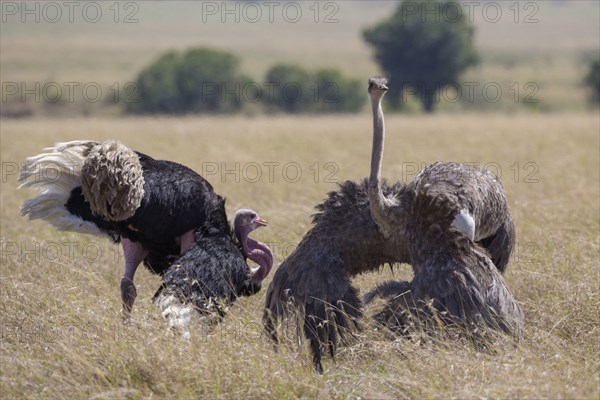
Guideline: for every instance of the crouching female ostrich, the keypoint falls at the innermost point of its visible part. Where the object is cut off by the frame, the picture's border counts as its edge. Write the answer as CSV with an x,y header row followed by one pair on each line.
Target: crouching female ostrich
x,y
349,237
213,272
151,206
447,209
456,282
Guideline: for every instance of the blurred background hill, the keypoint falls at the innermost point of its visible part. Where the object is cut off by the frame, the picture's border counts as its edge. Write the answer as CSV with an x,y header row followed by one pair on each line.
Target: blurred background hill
x,y
548,44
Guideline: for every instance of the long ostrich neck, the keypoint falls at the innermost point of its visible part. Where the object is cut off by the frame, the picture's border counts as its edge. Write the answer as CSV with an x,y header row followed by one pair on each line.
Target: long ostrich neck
x,y
258,252
378,143
379,204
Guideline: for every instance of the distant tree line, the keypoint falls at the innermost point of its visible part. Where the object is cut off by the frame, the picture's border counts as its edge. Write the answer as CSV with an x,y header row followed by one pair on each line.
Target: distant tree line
x,y
424,47
592,80
203,80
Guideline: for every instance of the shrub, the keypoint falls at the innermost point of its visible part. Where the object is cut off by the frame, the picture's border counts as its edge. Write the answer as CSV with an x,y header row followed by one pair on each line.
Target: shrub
x,y
296,90
592,80
200,80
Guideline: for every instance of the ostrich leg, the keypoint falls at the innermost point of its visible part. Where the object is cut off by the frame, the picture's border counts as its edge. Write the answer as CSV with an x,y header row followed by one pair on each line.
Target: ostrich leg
x,y
134,254
186,240
314,331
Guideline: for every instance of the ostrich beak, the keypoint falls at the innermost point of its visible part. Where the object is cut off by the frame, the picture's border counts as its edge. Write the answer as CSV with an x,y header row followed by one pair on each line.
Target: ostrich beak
x,y
384,88
260,222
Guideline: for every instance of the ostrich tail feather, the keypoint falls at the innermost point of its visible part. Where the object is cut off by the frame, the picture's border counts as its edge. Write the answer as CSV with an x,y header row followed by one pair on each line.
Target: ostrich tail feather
x,y
54,175
181,314
60,167
178,315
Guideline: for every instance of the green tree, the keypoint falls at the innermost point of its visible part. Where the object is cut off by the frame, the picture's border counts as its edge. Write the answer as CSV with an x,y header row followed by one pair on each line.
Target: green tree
x,y
335,93
425,45
208,81
288,88
156,85
293,89
199,80
592,80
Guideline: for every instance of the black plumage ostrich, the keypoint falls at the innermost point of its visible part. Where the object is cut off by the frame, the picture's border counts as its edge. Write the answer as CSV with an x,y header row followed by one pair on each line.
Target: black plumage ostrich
x,y
213,273
151,206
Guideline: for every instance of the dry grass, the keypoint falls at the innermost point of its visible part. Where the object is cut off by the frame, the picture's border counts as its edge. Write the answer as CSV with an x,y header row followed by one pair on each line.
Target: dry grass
x,y
62,335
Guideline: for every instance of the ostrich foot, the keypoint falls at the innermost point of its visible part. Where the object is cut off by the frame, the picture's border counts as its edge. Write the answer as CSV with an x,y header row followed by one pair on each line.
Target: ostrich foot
x,y
315,348
318,366
128,295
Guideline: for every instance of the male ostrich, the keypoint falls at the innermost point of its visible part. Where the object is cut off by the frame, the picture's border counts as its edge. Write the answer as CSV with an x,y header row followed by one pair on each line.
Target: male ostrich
x,y
213,272
456,282
151,206
314,281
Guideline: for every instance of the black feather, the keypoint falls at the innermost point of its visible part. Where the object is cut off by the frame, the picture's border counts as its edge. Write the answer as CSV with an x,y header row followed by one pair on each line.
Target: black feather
x,y
315,278
213,272
176,200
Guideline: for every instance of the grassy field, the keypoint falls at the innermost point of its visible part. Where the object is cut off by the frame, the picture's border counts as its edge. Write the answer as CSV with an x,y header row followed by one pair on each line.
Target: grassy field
x,y
61,331
62,335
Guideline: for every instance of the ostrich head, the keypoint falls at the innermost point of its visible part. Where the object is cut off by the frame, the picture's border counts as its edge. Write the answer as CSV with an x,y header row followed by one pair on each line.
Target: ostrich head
x,y
244,222
377,87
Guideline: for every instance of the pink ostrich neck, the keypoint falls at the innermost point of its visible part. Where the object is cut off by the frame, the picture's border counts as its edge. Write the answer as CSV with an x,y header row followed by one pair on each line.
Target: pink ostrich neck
x,y
258,252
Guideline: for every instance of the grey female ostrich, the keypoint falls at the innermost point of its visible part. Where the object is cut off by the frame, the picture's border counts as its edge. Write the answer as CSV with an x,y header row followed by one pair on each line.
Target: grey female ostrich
x,y
478,194
456,282
151,206
448,208
313,283
213,272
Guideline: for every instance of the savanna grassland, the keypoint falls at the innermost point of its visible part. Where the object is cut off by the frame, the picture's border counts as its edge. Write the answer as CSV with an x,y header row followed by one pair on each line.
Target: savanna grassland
x,y
62,335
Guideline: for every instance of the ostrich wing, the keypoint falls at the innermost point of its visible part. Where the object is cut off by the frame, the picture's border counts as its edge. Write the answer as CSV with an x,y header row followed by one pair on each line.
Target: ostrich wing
x,y
479,192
